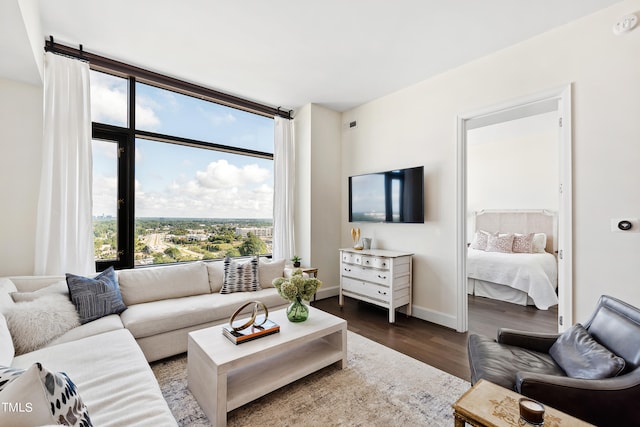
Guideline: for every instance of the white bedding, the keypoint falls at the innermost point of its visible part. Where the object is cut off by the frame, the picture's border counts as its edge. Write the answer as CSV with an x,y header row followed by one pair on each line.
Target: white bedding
x,y
535,274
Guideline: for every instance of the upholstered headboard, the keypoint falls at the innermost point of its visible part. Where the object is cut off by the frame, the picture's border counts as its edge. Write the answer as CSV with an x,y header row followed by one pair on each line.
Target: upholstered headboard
x,y
520,221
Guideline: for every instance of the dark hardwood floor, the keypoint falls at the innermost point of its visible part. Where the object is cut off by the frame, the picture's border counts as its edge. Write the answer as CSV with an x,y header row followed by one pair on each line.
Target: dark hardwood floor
x,y
436,345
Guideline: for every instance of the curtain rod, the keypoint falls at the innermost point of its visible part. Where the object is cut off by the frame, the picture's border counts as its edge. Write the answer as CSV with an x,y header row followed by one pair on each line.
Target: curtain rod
x,y
125,70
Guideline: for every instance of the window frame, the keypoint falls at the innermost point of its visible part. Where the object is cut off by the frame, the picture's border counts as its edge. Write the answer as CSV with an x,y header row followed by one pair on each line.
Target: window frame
x,y
126,137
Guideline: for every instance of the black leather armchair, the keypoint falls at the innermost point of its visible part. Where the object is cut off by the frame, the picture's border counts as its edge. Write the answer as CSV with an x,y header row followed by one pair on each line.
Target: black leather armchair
x,y
520,361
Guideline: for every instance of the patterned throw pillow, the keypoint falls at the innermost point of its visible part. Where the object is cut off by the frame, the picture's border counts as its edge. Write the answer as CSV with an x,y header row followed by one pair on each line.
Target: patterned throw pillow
x,y
523,243
240,276
500,243
97,297
40,397
480,240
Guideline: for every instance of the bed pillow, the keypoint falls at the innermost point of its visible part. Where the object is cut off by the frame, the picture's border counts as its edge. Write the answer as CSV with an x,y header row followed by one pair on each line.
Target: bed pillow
x,y
480,240
97,297
500,243
33,324
47,398
539,243
523,243
240,276
580,356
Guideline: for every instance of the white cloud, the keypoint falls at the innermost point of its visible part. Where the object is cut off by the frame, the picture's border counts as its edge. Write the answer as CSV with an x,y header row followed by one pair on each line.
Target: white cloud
x,y
221,174
105,195
222,191
109,103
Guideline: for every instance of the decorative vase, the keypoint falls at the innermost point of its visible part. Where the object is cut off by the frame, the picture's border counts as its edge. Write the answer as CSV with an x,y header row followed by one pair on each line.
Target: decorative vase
x,y
297,311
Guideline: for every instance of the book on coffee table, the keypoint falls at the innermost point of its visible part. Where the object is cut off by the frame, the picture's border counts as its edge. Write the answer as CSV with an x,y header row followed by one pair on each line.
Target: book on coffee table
x,y
251,333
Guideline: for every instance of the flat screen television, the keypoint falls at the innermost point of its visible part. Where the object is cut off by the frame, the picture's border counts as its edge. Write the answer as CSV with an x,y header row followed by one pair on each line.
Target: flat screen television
x,y
391,196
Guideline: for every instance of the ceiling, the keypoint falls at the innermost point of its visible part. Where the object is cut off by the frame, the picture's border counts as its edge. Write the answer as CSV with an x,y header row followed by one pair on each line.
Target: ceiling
x,y
288,53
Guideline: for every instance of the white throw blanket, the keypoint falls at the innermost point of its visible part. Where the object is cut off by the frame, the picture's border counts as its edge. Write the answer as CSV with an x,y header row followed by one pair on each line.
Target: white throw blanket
x,y
535,274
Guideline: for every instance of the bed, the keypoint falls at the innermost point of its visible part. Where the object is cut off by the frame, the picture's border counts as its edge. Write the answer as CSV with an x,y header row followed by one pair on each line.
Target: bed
x,y
527,277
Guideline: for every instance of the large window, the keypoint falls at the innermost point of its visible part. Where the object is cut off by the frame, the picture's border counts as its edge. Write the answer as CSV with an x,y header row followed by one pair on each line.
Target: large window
x,y
192,179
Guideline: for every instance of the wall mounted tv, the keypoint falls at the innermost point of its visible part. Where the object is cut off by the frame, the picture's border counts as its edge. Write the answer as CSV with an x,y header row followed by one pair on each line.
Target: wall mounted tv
x,y
392,196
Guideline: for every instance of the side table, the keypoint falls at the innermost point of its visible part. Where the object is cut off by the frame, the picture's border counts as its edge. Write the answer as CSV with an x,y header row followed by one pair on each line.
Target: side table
x,y
489,405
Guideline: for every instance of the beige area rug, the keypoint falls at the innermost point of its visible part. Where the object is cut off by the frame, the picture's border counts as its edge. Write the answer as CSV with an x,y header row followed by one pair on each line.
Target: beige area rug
x,y
379,387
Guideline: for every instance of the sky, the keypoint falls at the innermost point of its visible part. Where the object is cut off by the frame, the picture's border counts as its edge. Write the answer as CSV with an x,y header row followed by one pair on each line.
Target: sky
x,y
180,181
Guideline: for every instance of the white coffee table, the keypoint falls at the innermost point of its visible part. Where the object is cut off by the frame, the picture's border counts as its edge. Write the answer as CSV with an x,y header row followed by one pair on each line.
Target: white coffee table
x,y
223,376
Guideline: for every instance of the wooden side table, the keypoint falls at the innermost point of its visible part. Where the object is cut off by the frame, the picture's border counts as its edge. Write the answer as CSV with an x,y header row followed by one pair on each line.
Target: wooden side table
x,y
489,405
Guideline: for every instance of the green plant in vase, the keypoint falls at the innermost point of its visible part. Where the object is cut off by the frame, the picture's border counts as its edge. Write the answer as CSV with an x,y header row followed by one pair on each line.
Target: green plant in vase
x,y
297,289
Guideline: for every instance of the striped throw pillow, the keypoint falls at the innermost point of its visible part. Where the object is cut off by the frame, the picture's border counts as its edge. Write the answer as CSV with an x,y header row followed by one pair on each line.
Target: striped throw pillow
x,y
240,276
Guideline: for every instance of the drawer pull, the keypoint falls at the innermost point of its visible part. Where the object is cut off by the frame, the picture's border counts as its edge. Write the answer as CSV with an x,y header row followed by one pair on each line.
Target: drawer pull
x,y
347,269
382,277
382,293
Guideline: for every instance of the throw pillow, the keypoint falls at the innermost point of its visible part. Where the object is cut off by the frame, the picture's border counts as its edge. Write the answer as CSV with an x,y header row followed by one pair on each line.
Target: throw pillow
x,y
500,243
40,397
35,323
580,356
539,243
7,351
240,276
269,270
480,240
59,288
523,243
97,297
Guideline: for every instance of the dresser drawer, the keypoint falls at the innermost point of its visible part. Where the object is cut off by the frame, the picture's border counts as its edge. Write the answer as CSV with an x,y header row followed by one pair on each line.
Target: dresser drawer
x,y
351,258
382,277
375,262
370,290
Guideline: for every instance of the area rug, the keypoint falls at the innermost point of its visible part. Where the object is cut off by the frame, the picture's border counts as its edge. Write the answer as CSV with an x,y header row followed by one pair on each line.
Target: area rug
x,y
379,387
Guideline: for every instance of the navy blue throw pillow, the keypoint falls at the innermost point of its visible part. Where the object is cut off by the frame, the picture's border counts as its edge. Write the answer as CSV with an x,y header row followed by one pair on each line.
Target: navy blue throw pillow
x,y
97,297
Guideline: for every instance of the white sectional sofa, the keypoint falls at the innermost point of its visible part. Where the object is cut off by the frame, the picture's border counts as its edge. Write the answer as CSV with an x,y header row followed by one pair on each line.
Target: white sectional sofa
x,y
107,358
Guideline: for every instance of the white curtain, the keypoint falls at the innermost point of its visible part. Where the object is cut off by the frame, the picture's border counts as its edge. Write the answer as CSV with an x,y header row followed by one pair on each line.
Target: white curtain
x,y
64,234
284,170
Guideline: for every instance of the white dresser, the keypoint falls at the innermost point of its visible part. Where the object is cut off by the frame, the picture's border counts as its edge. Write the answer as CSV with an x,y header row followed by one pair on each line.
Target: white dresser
x,y
377,276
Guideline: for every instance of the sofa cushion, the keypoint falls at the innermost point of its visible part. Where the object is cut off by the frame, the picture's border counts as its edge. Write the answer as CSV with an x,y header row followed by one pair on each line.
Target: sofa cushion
x,y
157,317
35,323
108,323
44,397
583,357
7,351
96,297
141,285
269,270
112,376
240,276
215,269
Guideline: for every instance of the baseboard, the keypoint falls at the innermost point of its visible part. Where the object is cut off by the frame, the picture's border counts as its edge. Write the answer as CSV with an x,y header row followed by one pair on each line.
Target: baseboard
x,y
429,315
443,319
327,292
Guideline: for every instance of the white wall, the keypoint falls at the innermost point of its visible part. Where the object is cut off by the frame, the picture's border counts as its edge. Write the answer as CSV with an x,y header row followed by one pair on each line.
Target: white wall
x,y
21,145
513,165
417,125
318,186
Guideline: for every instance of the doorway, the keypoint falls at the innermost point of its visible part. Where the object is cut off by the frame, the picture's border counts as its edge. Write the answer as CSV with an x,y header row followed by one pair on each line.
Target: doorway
x,y
556,100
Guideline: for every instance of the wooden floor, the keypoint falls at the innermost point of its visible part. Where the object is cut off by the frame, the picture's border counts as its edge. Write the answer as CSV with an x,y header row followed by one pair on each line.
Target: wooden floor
x,y
436,345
